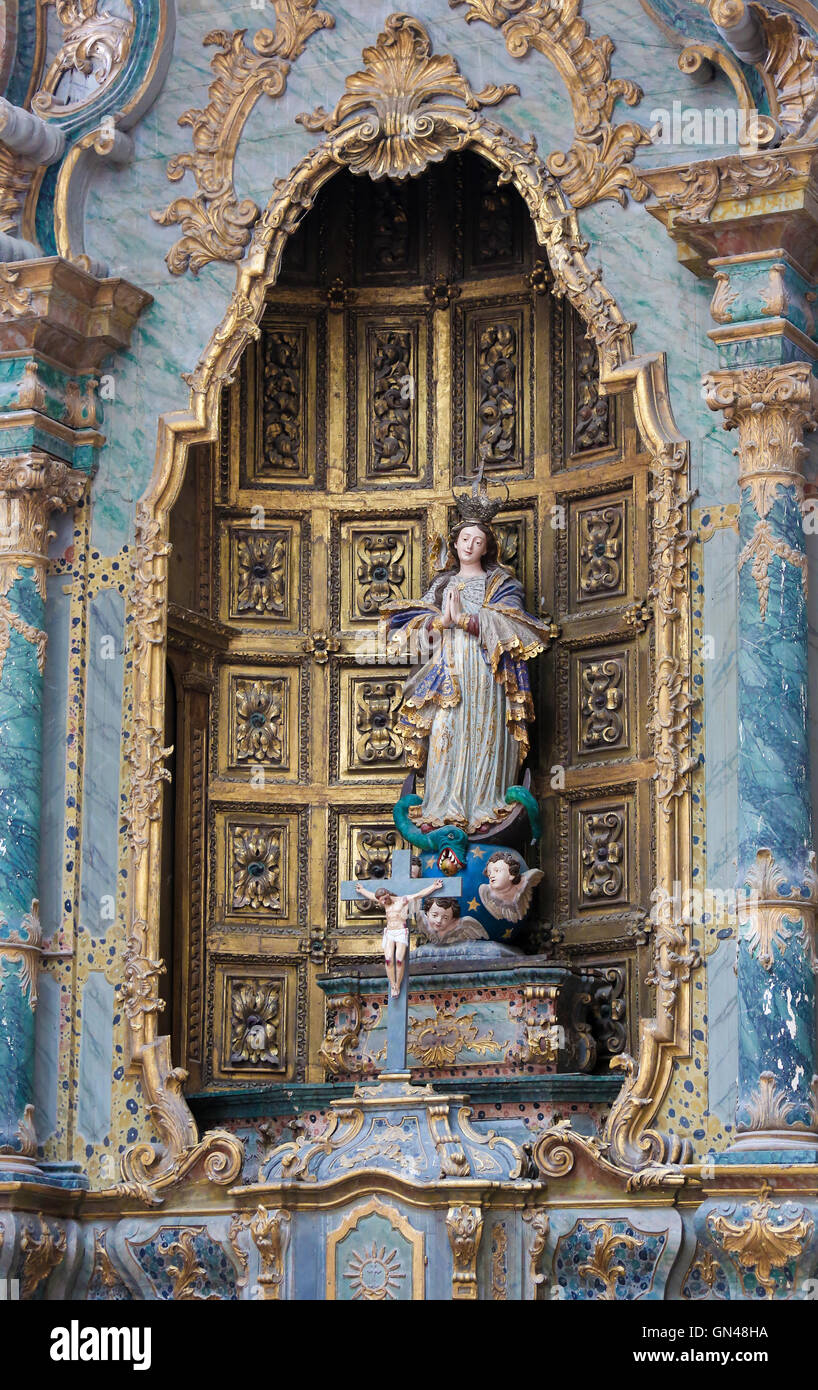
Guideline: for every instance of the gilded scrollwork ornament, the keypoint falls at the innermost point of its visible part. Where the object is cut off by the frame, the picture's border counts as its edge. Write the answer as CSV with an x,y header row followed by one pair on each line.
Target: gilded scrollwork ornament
x,y
95,44
270,1231
771,407
760,1238
401,104
598,163
216,224
464,1225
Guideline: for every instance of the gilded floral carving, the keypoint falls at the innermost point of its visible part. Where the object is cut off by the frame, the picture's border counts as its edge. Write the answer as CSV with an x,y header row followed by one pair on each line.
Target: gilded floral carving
x,y
602,856
773,917
760,1238
256,868
598,163
380,573
464,1225
376,710
602,1267
261,573
438,1041
270,1231
401,104
670,704
497,363
255,1023
40,1255
761,549
600,551
260,718
282,383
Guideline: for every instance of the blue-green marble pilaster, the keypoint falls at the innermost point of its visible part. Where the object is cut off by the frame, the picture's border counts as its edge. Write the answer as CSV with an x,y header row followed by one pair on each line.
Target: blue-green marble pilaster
x,y
776,987
21,690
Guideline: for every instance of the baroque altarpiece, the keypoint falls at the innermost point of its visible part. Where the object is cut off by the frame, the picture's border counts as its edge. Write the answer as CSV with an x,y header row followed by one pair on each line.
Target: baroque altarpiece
x,y
379,467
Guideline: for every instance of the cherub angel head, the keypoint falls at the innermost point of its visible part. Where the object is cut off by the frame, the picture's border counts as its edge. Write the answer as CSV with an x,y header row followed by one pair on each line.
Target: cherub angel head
x,y
503,870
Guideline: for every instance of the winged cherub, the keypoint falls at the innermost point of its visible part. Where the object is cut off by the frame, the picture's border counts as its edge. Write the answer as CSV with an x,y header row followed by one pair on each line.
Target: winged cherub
x,y
508,892
442,924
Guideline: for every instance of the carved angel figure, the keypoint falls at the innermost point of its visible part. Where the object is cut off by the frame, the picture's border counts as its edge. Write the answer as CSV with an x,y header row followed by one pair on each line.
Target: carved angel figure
x,y
441,923
508,892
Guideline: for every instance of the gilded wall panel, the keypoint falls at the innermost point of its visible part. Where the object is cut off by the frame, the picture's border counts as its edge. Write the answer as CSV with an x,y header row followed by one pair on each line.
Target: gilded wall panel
x,y
497,359
256,1017
256,869
277,409
371,745
598,531
389,419
379,562
264,567
361,845
603,701
259,723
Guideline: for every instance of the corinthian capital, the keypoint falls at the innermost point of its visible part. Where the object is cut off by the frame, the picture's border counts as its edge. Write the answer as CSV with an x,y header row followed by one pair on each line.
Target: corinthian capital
x,y
32,486
772,408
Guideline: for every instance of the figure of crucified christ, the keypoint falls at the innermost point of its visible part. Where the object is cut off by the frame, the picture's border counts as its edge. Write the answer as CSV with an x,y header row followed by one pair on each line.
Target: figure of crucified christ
x,y
396,932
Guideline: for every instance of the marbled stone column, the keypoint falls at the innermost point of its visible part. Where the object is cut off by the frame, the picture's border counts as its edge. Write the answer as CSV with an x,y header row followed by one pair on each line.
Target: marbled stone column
x,y
771,407
32,486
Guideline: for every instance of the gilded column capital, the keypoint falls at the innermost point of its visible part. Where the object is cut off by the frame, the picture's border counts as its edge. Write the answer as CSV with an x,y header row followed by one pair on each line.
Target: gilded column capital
x,y
32,486
772,408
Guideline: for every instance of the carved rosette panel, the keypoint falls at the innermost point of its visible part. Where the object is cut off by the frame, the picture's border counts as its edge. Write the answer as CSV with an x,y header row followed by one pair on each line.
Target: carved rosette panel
x,y
260,712
254,1023
603,856
256,868
599,544
260,574
260,731
380,572
603,691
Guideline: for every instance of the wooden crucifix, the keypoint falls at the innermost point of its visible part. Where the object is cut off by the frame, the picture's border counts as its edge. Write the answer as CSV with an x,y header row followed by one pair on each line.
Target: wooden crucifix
x,y
406,891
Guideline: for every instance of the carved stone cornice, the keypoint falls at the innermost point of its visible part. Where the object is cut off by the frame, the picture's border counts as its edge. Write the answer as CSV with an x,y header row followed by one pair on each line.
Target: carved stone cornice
x,y
55,308
771,407
701,204
598,163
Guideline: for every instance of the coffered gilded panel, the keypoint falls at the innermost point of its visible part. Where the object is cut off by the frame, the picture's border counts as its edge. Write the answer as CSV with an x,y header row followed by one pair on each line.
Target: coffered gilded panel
x,y
259,727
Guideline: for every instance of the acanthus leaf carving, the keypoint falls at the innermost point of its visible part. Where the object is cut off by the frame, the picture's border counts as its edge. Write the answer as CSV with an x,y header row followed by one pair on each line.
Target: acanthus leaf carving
x,y
598,163
94,44
216,225
760,1238
401,105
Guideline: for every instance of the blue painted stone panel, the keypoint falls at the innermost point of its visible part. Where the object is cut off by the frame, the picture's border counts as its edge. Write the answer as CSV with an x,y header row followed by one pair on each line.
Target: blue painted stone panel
x,y
103,749
96,1053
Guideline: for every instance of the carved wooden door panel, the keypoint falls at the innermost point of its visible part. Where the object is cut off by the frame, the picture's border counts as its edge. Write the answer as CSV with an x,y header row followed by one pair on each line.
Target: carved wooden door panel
x,y
412,325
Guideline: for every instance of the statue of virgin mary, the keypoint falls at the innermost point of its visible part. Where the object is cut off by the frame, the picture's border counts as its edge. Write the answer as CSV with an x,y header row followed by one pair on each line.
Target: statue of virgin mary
x,y
466,711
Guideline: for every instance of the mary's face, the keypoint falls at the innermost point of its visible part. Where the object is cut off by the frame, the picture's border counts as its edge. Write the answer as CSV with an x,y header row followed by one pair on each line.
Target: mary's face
x,y
471,544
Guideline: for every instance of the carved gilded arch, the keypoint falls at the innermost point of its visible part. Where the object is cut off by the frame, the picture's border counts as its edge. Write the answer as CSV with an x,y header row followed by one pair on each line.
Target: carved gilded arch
x,y
378,126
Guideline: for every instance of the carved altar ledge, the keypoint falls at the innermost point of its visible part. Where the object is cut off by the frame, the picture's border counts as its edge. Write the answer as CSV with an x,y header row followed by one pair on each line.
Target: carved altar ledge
x,y
468,1014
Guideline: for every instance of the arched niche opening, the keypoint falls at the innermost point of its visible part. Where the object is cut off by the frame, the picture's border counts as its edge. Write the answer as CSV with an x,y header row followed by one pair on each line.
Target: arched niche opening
x,y
411,327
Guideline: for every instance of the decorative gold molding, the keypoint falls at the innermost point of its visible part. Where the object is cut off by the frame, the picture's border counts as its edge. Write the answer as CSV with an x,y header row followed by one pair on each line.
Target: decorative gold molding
x,y
215,224
271,1236
41,1256
761,549
464,1225
539,1223
758,1244
633,1144
670,704
690,193
25,951
598,163
601,1264
15,300
341,1038
94,42
771,407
